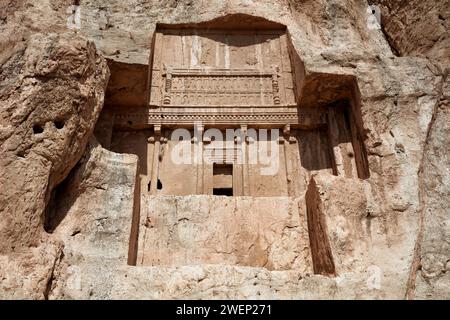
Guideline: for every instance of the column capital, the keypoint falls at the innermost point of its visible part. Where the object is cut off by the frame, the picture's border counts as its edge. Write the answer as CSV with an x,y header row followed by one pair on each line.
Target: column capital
x,y
287,130
157,128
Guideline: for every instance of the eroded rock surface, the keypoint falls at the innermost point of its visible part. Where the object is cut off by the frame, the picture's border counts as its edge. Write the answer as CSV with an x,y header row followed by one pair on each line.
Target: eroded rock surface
x,y
434,255
417,28
74,231
52,91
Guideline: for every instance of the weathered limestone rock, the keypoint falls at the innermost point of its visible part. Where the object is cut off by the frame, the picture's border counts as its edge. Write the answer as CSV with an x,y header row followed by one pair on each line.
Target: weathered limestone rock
x,y
433,257
261,232
359,271
51,94
417,28
28,274
352,238
382,237
97,235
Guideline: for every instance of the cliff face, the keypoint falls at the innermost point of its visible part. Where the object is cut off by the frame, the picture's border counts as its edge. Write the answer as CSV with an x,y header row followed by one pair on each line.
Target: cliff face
x,y
69,207
417,28
52,92
421,28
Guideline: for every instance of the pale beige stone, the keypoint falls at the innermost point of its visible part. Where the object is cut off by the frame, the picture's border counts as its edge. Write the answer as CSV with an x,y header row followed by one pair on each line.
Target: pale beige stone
x,y
361,207
264,232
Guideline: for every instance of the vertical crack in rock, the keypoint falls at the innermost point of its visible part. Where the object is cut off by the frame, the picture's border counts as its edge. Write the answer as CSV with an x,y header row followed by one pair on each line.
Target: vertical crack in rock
x,y
416,262
144,237
52,277
320,246
134,234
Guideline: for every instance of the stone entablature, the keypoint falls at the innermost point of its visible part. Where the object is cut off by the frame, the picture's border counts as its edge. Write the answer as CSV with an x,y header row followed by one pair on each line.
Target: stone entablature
x,y
251,115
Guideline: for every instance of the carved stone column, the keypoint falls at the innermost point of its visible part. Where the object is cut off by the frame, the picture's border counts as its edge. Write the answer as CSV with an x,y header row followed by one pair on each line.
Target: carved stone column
x,y
245,166
198,159
286,140
156,139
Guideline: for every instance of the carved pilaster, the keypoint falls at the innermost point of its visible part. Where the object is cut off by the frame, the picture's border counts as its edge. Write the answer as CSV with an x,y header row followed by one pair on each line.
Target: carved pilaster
x,y
276,87
156,140
288,139
198,141
245,166
168,88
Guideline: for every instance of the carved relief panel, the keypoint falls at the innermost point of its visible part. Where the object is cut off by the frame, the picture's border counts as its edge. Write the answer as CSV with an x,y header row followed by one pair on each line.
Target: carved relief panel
x,y
215,68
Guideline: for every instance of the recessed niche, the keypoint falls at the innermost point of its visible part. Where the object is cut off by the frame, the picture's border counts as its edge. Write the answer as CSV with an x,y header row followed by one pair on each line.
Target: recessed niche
x,y
227,192
243,79
223,180
37,129
59,124
228,75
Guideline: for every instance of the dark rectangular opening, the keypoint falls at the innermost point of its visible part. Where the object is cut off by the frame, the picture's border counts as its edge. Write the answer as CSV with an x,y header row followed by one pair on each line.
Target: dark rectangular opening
x,y
223,179
223,192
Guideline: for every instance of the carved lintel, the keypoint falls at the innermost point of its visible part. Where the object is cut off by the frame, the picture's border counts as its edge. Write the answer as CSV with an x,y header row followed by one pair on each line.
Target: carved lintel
x,y
188,116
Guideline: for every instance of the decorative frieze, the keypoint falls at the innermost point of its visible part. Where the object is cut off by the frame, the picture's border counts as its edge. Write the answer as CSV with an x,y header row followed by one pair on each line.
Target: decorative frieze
x,y
221,87
221,68
188,116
